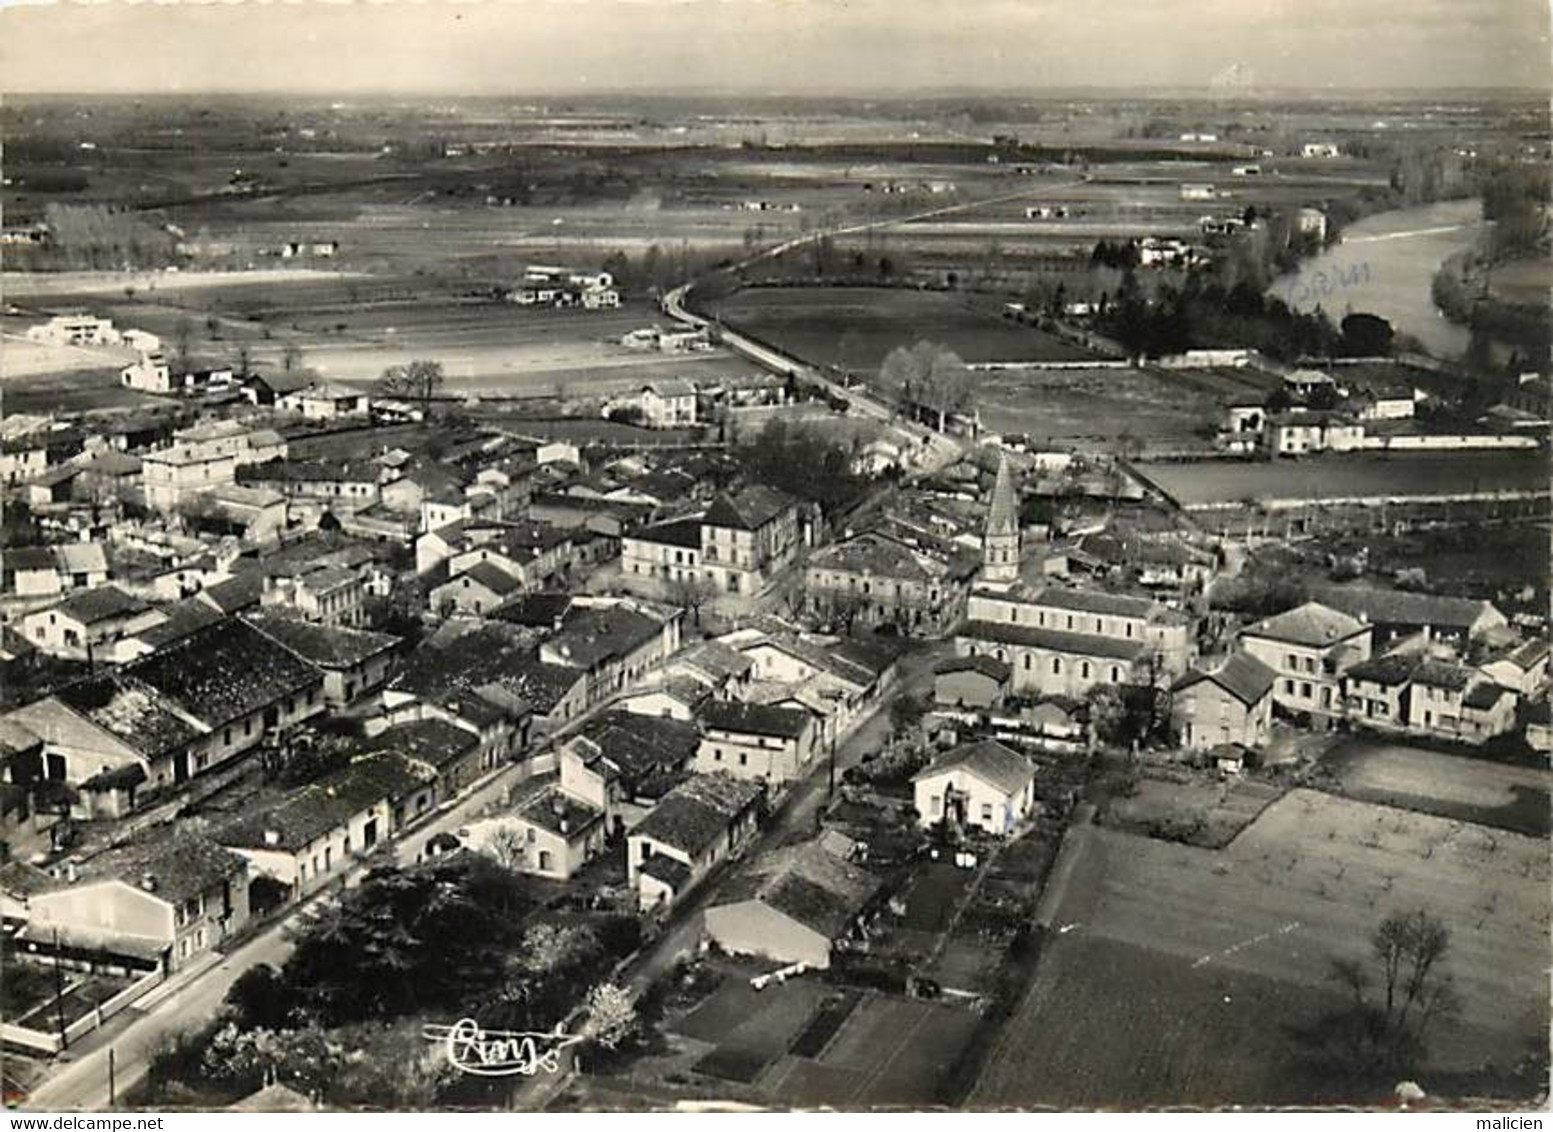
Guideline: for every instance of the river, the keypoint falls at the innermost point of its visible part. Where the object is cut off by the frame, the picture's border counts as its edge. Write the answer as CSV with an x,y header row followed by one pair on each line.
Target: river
x,y
1384,266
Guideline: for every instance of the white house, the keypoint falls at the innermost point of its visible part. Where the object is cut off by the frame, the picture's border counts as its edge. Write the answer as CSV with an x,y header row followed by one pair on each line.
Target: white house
x,y
669,404
984,785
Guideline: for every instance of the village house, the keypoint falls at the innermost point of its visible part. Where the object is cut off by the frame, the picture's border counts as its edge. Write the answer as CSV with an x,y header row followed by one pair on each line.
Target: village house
x,y
244,444
551,834
873,580
265,389
446,752
1446,701
617,646
1522,667
1307,431
313,837
982,785
354,662
479,588
47,572
149,373
532,555
323,402
499,721
85,624
75,330
740,545
1309,647
792,906
171,896
186,710
622,764
341,486
979,683
1375,691
772,743
670,403
701,823
1230,702
171,476
324,594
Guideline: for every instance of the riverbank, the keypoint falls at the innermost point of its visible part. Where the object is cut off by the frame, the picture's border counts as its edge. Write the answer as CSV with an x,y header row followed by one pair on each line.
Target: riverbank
x,y
1385,265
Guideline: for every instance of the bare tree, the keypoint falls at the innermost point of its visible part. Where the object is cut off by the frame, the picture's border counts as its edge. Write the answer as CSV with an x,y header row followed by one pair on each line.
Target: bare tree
x,y
417,381
291,357
927,375
691,592
507,847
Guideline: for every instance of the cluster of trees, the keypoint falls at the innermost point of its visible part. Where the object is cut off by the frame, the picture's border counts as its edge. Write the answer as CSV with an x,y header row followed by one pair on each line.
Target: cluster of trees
x,y
1515,202
419,382
444,939
96,236
1204,313
927,376
804,462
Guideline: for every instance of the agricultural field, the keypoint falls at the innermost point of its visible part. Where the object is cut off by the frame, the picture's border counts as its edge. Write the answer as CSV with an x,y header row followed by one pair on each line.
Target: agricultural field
x,y
855,327
1344,476
1179,975
1191,807
1513,798
350,329
807,1043
1092,409
1523,281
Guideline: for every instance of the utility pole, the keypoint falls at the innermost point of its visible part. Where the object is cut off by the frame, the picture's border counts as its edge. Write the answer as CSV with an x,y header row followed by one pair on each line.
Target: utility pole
x,y
59,993
111,1090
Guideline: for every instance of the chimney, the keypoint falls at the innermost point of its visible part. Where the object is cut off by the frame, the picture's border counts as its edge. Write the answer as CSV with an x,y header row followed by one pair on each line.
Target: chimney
x,y
72,870
272,837
148,882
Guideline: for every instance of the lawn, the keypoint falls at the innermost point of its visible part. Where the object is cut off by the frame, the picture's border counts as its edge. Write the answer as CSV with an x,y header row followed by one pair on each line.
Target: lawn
x,y
1092,408
1174,969
855,327
1198,809
1328,478
1452,786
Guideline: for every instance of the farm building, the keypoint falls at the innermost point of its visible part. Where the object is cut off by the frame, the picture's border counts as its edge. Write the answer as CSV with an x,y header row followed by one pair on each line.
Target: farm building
x,y
982,785
792,906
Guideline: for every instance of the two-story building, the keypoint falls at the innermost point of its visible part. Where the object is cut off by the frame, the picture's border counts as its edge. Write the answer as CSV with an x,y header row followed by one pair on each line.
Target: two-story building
x,y
86,624
1230,702
871,579
1309,647
739,545
700,824
769,742
670,403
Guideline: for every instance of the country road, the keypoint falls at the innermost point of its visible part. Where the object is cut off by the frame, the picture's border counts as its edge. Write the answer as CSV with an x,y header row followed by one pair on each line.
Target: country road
x,y
942,450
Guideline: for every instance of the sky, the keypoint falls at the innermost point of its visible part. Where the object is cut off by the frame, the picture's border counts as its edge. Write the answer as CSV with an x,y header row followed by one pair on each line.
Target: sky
x,y
779,46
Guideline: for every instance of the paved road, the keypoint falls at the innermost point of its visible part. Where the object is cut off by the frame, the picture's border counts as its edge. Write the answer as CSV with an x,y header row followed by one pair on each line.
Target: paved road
x,y
797,819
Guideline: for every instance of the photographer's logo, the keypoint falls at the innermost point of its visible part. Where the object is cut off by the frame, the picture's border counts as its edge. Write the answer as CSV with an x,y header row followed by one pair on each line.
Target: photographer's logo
x,y
499,1053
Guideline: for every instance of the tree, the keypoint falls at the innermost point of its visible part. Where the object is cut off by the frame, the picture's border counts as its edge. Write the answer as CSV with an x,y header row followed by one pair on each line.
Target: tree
x,y
507,847
691,591
183,336
612,1015
244,360
291,357
1393,1002
417,381
1107,714
929,376
1367,336
259,999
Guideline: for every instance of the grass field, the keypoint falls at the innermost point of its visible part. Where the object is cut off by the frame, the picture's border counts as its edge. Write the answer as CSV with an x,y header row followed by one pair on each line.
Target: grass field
x,y
1506,797
1346,476
855,327
1092,408
1199,810
1183,969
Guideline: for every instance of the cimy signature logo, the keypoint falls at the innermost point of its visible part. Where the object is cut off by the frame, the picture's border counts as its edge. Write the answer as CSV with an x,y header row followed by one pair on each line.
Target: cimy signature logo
x,y
499,1053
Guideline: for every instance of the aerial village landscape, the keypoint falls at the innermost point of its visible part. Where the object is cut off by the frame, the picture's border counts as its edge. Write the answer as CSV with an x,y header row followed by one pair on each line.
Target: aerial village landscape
x,y
965,602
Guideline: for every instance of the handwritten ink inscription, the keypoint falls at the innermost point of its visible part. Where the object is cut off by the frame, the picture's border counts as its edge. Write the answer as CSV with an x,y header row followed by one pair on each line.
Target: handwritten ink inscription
x,y
1322,283
499,1053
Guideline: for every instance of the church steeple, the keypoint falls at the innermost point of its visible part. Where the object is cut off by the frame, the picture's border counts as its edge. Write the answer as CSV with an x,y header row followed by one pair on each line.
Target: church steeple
x,y
1000,542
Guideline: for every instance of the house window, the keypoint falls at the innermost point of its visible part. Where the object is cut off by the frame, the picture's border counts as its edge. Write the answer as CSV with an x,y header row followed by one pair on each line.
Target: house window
x,y
744,759
1084,670
936,804
1288,687
986,811
1056,666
